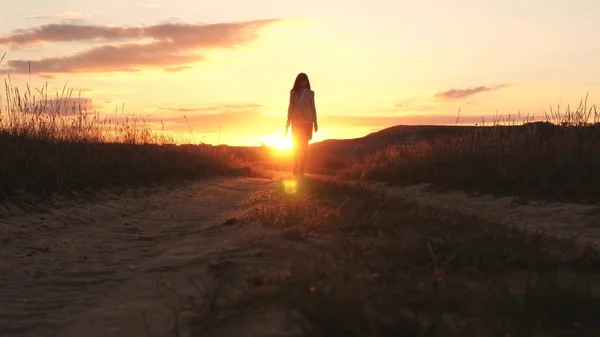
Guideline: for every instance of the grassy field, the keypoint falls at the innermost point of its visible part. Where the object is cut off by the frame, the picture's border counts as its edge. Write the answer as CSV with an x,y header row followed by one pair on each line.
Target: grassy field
x,y
374,265
557,159
52,145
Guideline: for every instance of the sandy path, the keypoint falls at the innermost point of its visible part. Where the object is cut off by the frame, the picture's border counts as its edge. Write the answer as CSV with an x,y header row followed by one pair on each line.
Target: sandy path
x,y
562,219
87,269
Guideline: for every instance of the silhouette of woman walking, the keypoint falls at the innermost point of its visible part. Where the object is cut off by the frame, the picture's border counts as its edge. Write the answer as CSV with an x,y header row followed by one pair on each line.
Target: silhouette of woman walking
x,y
302,116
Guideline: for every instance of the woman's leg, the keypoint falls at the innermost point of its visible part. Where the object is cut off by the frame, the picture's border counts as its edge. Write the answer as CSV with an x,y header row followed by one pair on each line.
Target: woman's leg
x,y
307,133
296,155
295,160
303,155
301,136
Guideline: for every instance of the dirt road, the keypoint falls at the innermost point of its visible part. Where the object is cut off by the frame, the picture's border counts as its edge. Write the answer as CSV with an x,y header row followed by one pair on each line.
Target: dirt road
x,y
89,269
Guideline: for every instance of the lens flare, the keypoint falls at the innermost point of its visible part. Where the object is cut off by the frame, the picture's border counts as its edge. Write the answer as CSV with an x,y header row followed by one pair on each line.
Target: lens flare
x,y
290,186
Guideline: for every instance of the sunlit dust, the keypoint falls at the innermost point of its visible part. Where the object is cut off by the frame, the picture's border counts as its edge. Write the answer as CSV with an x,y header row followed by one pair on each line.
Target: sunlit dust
x,y
290,186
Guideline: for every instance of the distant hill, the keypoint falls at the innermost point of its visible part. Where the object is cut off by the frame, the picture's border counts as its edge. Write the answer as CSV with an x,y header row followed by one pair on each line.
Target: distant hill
x,y
400,134
407,134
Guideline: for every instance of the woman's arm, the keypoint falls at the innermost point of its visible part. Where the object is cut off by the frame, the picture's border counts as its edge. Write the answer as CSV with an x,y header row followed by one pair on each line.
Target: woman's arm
x,y
314,113
313,108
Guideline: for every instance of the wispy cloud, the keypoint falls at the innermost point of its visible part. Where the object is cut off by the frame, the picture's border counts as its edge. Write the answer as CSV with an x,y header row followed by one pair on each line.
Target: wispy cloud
x,y
68,16
220,34
247,119
456,94
66,106
100,91
249,109
176,69
172,46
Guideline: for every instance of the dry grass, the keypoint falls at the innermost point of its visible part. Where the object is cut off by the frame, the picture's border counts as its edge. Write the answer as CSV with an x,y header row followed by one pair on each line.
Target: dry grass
x,y
50,145
556,159
372,265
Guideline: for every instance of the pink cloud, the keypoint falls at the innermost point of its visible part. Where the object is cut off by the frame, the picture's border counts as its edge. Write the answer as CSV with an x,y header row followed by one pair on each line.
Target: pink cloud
x,y
455,94
173,46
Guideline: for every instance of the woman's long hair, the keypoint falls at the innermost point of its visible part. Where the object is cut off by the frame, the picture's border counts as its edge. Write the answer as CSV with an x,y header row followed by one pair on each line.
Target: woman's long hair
x,y
300,77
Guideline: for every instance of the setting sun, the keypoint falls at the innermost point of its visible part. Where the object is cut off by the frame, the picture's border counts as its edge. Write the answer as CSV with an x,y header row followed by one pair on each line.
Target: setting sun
x,y
279,143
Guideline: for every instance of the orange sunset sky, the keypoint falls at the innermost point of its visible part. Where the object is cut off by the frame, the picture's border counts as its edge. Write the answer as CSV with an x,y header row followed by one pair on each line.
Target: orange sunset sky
x,y
372,64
